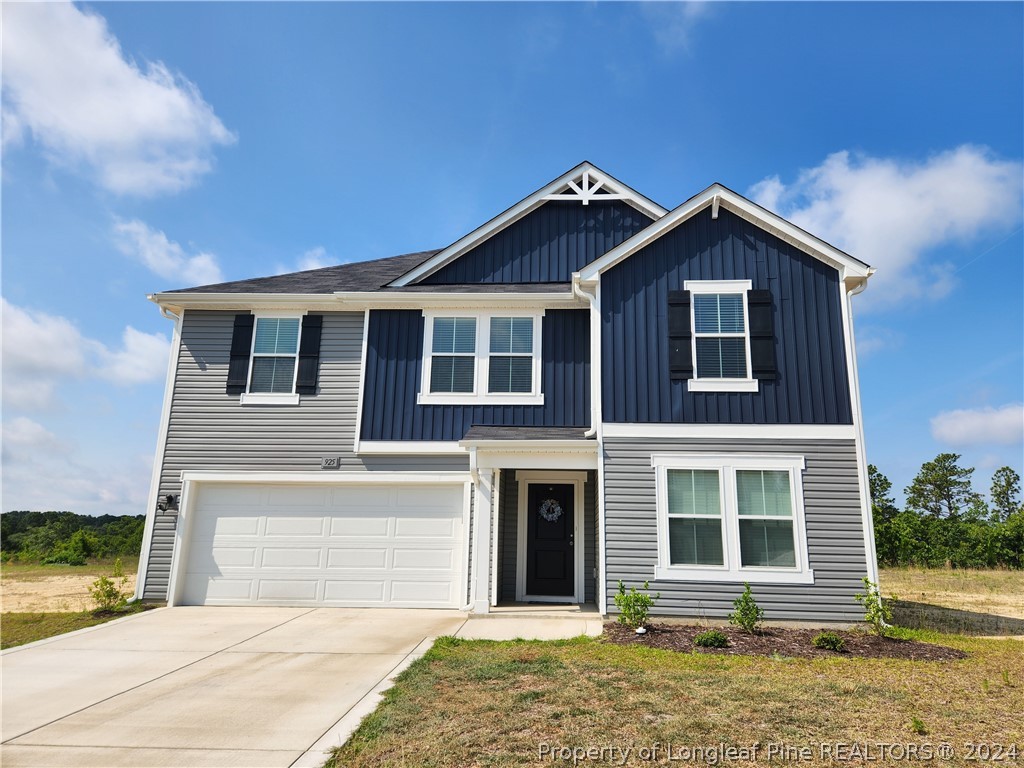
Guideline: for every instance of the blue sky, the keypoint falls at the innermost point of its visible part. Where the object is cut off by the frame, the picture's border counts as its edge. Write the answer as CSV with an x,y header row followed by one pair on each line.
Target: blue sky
x,y
173,144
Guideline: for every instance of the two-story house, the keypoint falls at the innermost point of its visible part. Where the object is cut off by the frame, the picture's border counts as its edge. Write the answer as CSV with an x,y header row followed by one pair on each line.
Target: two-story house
x,y
587,388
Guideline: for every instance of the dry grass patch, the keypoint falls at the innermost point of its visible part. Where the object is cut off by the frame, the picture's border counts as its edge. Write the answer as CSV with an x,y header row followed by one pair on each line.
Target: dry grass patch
x,y
30,587
480,703
21,628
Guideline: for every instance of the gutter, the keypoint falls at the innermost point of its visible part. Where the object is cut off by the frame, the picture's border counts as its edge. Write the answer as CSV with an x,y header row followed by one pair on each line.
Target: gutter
x,y
591,298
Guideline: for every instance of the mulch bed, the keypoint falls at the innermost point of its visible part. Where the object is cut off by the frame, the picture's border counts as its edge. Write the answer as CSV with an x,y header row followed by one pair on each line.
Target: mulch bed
x,y
781,641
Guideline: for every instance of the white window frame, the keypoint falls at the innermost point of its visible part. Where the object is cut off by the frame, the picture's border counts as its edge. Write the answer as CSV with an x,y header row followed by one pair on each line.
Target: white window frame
x,y
699,287
732,570
480,395
273,398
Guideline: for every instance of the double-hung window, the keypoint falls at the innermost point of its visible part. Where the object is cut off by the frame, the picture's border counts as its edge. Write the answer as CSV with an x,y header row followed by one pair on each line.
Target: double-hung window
x,y
731,518
481,358
721,337
274,361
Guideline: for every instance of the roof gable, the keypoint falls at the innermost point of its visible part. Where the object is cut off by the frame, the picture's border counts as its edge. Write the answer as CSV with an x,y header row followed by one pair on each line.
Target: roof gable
x,y
717,196
584,184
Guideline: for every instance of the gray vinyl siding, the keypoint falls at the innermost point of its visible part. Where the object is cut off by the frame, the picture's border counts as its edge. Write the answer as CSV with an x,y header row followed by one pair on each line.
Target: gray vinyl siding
x,y
508,536
835,533
210,430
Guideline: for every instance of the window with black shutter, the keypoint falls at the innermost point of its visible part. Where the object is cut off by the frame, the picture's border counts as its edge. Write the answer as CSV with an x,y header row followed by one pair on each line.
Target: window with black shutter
x,y
680,357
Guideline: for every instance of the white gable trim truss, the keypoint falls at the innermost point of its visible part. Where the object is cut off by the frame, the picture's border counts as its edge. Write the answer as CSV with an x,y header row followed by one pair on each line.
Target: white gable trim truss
x,y
585,183
717,197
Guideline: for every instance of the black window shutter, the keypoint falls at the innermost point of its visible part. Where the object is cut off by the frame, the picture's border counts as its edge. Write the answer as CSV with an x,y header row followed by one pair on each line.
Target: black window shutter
x,y
762,335
241,347
680,357
309,354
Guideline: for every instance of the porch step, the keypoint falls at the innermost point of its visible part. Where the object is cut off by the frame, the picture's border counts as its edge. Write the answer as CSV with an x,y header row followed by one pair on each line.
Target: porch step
x,y
542,610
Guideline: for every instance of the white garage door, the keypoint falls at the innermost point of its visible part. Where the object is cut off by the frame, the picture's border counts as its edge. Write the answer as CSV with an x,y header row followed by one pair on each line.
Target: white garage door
x,y
345,545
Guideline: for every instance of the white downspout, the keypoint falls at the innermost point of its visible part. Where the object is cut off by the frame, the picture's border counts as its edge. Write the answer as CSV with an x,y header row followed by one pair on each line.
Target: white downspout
x,y
158,457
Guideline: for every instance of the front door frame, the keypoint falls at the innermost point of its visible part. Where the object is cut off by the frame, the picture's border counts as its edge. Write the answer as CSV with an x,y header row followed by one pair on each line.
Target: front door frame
x,y
526,477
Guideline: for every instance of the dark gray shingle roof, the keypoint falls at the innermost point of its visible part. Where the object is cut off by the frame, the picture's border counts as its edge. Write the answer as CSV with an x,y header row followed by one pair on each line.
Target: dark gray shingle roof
x,y
358,276
525,433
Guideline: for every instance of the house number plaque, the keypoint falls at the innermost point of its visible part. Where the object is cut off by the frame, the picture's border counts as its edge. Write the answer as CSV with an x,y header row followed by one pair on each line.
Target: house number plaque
x,y
330,462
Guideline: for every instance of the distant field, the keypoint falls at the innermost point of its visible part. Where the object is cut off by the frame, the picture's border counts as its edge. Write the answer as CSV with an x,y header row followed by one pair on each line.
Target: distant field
x,y
987,602
28,588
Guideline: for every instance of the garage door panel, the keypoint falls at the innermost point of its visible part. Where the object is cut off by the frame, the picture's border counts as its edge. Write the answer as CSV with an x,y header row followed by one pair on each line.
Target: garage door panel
x,y
357,558
359,526
292,557
280,525
362,548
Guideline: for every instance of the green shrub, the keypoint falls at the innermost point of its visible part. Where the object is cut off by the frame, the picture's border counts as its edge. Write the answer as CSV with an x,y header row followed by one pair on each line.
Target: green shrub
x,y
748,613
75,551
111,594
876,612
830,641
711,639
634,606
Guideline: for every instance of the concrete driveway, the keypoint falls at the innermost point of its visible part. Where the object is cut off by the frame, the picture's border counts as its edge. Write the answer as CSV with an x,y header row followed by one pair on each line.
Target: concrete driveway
x,y
197,687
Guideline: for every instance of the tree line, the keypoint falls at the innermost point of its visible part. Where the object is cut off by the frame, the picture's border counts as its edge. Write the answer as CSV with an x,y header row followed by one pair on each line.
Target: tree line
x,y
945,522
64,537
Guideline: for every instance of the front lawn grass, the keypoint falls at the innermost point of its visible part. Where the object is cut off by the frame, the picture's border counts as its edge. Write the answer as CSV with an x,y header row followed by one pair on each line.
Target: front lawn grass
x,y
487,703
20,628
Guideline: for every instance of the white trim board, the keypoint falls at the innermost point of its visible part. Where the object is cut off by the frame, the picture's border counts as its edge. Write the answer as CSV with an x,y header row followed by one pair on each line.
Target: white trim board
x,y
525,206
524,479
408,448
733,431
731,201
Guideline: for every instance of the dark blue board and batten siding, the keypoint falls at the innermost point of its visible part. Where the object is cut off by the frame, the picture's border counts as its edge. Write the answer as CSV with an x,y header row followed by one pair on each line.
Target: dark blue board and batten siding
x,y
394,364
545,246
832,514
812,385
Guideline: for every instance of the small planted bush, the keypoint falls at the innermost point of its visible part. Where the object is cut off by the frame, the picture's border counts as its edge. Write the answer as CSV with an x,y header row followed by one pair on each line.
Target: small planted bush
x,y
876,612
111,594
748,614
711,639
830,641
634,606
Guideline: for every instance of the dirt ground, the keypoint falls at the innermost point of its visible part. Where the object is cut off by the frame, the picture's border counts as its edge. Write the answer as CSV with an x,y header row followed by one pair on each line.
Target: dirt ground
x,y
35,588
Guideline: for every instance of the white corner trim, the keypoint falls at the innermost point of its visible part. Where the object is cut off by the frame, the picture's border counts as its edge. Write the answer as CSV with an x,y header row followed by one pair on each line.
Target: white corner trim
x,y
732,431
269,398
723,385
495,522
739,205
520,209
409,448
173,356
362,382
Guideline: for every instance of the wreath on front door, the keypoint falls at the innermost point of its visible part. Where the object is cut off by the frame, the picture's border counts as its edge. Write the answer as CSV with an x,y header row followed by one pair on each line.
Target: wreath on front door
x,y
550,510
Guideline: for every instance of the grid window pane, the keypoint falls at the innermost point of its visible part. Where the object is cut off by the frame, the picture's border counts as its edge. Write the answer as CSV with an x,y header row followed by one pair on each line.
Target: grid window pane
x,y
719,358
695,541
452,374
510,374
272,374
718,312
764,493
277,335
693,492
454,335
511,335
767,543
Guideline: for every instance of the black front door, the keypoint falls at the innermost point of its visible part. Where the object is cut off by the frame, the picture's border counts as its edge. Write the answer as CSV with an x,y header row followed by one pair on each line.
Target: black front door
x,y
549,540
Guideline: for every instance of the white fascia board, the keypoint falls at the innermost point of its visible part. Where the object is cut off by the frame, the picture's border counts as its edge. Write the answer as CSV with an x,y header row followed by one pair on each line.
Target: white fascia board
x,y
733,431
246,301
410,447
362,300
766,220
516,212
327,477
563,460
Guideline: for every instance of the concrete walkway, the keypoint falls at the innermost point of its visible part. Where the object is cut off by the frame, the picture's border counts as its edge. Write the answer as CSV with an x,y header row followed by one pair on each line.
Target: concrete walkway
x,y
212,687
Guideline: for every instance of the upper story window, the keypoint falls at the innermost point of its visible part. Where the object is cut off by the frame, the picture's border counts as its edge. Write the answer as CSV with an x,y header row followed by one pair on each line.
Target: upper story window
x,y
731,518
491,358
275,351
721,336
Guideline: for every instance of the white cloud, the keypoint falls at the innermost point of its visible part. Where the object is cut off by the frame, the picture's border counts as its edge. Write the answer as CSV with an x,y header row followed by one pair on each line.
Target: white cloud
x,y
314,258
22,436
672,23
165,257
41,350
980,426
891,213
872,339
139,129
